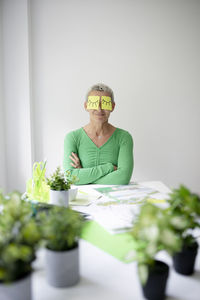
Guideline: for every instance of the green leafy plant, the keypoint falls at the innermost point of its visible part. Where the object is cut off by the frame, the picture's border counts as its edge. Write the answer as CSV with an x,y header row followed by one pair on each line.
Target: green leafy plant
x,y
37,187
61,228
19,237
184,211
60,181
152,232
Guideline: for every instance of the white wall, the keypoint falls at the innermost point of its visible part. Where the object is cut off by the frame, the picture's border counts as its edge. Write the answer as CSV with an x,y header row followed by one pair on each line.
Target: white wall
x,y
16,92
2,138
147,51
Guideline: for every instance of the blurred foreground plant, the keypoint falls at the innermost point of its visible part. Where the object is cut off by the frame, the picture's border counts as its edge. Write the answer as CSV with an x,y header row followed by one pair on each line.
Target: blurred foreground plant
x,y
184,212
152,231
19,237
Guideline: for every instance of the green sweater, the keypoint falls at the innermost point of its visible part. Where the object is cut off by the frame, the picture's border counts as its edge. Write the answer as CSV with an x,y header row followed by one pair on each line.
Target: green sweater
x,y
98,163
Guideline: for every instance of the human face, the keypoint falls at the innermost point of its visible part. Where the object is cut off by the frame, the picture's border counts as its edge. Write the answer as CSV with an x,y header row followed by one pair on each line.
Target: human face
x,y
99,114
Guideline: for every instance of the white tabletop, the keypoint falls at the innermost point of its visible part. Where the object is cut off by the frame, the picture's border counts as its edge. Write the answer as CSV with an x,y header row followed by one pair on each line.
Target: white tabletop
x,y
103,277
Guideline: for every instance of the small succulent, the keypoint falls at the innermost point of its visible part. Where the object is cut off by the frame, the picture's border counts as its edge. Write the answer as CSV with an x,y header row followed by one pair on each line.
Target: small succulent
x,y
60,181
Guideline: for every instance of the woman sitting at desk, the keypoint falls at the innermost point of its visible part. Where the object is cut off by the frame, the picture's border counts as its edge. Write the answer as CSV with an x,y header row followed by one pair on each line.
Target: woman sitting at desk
x,y
99,153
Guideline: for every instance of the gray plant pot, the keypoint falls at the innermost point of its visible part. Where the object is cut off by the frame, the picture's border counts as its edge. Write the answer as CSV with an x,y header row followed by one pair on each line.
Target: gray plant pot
x,y
60,198
62,267
17,290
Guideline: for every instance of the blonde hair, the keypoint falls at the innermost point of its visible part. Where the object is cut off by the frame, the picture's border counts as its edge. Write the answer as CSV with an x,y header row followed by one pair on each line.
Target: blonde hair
x,y
102,88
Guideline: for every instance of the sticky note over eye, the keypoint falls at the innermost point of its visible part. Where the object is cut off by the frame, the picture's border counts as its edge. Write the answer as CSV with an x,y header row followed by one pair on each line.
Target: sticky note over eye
x,y
106,103
93,102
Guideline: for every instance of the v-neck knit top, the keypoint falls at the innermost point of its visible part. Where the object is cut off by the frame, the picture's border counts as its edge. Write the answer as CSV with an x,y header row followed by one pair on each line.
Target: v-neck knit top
x,y
98,162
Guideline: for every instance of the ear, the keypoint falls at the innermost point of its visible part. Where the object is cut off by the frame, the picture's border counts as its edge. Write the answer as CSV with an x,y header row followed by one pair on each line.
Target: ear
x,y
113,106
85,105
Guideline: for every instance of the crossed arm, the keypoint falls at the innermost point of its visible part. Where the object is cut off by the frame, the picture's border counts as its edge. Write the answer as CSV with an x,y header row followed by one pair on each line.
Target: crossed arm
x,y
101,174
76,161
124,167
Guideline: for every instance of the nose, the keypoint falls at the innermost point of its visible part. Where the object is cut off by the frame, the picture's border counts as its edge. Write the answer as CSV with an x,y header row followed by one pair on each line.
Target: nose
x,y
100,109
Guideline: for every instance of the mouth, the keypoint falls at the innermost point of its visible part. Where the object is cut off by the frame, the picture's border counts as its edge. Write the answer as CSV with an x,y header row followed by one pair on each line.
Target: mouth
x,y
100,115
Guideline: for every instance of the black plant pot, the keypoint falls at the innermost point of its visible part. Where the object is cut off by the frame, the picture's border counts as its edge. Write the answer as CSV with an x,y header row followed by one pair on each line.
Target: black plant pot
x,y
154,288
184,261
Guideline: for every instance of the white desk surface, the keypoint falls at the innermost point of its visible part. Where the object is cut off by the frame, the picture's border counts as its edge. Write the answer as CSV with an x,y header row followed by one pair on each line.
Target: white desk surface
x,y
103,277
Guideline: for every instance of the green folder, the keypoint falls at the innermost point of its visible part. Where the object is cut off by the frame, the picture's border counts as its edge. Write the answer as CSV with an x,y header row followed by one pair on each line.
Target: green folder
x,y
121,246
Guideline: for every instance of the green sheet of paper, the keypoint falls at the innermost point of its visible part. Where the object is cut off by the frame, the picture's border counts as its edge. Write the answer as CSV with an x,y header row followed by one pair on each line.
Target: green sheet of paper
x,y
121,246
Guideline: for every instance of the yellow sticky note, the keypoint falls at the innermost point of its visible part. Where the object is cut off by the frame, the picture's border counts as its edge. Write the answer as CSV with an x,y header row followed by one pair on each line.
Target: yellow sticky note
x,y
106,103
93,102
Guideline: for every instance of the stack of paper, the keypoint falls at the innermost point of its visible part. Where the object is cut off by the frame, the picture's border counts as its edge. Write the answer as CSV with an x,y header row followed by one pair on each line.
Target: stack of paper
x,y
115,207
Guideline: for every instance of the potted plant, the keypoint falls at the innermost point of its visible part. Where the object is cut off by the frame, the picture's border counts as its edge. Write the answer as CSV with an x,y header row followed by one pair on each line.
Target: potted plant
x,y
19,239
61,229
184,209
152,233
59,184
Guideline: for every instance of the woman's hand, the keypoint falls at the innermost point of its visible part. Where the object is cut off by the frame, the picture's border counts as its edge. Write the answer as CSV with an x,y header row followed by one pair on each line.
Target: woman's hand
x,y
75,161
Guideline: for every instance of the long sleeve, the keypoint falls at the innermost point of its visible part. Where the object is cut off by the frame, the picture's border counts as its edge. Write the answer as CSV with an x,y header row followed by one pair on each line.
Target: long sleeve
x,y
84,175
124,167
